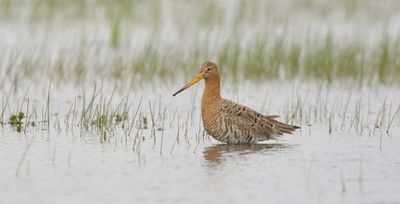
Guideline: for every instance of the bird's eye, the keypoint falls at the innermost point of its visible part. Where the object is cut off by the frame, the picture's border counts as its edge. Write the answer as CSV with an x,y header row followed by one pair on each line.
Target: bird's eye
x,y
209,69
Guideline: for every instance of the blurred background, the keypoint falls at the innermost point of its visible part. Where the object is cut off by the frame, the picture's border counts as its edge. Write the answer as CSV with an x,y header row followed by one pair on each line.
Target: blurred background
x,y
135,42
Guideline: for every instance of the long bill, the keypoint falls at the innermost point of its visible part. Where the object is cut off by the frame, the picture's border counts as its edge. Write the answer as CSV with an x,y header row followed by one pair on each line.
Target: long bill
x,y
196,79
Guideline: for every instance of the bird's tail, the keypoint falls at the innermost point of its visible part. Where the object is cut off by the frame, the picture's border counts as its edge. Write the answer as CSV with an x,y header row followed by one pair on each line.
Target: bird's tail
x,y
282,127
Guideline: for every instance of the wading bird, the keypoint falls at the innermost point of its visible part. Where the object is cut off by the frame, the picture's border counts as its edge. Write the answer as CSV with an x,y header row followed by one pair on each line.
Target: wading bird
x,y
230,122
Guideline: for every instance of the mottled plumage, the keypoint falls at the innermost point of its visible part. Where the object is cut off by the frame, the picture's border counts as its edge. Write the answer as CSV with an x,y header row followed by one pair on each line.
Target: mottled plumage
x,y
230,122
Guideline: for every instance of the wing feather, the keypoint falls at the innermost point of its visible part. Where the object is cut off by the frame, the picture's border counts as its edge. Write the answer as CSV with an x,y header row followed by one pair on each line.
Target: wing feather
x,y
247,121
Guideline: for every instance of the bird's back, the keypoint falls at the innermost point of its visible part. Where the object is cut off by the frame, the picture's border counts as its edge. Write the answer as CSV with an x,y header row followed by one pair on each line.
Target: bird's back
x,y
233,123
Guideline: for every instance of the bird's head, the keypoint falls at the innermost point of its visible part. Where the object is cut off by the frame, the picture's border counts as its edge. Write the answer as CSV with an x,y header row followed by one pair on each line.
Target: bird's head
x,y
208,71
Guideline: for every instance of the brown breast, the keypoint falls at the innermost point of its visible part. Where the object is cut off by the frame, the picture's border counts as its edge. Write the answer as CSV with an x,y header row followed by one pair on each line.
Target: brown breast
x,y
209,113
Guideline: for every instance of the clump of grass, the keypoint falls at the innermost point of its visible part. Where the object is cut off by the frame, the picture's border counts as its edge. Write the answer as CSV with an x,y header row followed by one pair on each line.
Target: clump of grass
x,y
115,32
143,124
319,59
101,121
16,121
121,118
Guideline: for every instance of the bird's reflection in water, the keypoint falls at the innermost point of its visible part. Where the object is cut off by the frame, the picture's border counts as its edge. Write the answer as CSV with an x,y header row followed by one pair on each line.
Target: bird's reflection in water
x,y
214,154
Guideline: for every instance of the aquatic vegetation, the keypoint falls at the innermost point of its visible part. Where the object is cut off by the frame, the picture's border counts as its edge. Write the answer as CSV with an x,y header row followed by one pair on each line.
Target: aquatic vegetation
x,y
98,112
120,118
16,121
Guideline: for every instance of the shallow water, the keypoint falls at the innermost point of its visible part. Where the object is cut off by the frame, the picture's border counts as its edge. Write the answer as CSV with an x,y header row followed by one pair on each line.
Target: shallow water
x,y
310,166
313,168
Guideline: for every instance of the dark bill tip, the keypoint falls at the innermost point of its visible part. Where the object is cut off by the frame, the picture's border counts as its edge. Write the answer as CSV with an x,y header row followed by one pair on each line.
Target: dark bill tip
x,y
177,92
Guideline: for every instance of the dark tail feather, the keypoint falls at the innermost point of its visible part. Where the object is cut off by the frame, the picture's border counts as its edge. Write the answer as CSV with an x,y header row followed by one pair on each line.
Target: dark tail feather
x,y
285,128
284,131
272,116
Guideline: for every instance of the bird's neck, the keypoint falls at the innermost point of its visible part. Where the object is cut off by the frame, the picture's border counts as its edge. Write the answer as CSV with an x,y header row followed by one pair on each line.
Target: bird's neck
x,y
211,91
